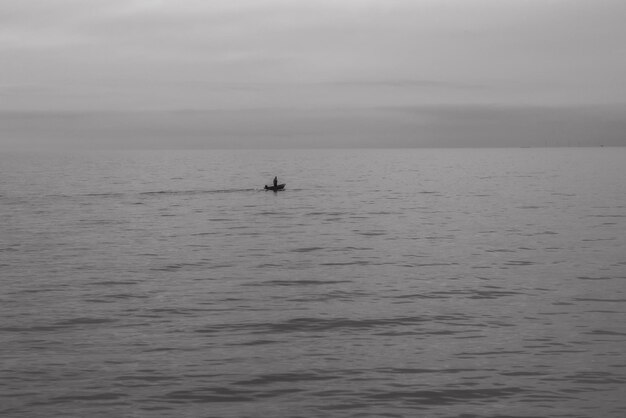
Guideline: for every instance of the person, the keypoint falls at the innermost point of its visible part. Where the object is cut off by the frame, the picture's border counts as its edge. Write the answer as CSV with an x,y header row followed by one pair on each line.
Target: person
x,y
275,181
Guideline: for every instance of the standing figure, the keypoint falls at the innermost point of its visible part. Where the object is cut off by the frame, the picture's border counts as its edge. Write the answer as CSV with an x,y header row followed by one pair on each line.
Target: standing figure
x,y
275,181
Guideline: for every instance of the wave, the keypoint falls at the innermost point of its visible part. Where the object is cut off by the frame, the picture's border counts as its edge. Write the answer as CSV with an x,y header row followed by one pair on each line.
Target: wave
x,y
324,325
153,193
193,192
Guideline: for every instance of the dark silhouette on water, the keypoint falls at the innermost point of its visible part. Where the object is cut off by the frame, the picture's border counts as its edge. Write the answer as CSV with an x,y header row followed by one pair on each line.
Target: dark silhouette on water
x,y
276,187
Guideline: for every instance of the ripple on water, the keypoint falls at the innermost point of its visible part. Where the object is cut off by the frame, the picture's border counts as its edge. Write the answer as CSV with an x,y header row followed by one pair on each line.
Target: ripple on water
x,y
435,283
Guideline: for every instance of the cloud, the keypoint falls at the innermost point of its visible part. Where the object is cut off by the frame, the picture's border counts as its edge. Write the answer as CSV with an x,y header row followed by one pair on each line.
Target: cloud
x,y
168,54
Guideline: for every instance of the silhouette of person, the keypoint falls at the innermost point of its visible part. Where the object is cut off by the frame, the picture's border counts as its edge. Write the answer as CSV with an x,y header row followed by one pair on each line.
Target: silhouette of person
x,y
275,181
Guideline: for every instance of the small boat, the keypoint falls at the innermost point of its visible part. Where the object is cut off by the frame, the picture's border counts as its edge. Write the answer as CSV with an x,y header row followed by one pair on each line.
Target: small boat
x,y
275,188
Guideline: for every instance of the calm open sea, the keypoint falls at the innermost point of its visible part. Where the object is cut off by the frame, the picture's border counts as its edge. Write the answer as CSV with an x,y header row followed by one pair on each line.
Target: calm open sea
x,y
380,283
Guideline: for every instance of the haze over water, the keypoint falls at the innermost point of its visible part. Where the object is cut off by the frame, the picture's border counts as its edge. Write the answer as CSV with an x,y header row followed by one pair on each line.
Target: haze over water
x,y
424,282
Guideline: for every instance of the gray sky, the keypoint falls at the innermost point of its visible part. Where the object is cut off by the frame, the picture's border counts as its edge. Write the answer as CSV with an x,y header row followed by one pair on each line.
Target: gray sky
x,y
172,56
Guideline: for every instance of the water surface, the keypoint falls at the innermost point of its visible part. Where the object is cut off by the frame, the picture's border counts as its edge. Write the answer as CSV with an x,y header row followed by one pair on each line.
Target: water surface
x,y
439,283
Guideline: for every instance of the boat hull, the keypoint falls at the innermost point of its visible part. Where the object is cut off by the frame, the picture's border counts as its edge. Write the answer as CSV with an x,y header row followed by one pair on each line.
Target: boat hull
x,y
275,188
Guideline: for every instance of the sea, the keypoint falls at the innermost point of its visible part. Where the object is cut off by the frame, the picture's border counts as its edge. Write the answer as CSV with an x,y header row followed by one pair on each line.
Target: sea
x,y
457,283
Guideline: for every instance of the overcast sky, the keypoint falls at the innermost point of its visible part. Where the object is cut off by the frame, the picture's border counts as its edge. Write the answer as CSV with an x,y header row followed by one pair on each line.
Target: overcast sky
x,y
181,55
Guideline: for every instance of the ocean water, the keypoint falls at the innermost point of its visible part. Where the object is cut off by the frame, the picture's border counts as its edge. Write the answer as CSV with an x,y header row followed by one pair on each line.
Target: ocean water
x,y
380,283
